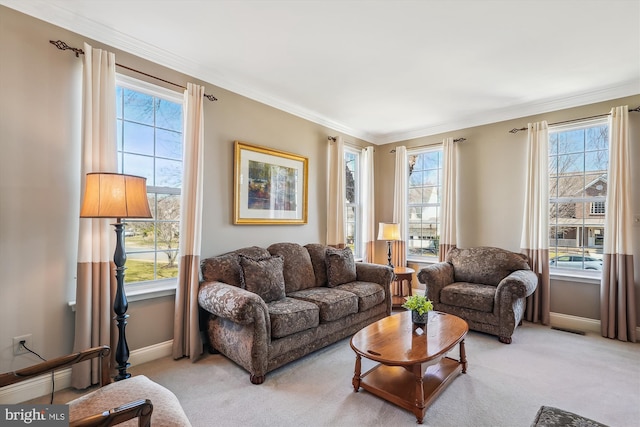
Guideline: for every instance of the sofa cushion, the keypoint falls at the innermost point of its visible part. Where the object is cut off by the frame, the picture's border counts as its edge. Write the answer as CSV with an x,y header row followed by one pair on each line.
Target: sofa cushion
x,y
290,315
263,277
485,265
298,270
369,294
341,266
334,304
469,295
226,268
318,254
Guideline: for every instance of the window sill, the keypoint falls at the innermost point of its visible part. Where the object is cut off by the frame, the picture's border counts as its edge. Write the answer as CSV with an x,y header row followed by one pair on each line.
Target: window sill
x,y
145,291
572,276
425,261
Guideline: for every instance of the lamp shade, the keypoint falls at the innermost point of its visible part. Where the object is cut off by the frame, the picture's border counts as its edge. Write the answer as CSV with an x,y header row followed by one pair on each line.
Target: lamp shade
x,y
388,231
113,195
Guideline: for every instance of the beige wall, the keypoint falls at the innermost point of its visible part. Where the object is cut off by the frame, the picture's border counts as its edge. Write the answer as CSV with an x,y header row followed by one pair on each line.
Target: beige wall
x,y
40,102
490,199
39,186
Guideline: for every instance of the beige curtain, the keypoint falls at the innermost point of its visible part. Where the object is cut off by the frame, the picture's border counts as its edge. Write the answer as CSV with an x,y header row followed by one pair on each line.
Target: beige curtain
x,y
400,199
617,296
448,212
368,205
535,223
336,197
186,331
96,285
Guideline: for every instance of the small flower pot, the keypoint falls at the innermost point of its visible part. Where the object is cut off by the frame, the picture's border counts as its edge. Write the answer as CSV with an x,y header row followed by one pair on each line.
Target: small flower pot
x,y
419,319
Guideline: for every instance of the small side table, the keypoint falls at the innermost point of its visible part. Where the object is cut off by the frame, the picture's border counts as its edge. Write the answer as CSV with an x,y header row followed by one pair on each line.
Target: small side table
x,y
401,274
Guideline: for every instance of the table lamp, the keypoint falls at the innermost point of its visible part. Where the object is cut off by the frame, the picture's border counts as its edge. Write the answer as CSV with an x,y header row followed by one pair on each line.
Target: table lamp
x,y
113,195
389,232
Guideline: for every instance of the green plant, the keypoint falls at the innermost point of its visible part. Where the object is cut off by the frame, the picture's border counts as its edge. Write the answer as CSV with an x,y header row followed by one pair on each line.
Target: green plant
x,y
418,303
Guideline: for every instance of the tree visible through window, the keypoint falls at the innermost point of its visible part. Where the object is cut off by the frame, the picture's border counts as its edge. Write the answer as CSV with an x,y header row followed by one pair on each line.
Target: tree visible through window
x,y
352,202
425,183
149,126
578,162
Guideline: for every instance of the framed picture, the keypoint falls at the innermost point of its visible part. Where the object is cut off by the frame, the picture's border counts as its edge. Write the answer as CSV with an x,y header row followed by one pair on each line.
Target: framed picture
x,y
270,186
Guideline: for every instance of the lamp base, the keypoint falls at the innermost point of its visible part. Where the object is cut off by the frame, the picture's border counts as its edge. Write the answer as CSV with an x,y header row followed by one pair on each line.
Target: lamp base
x,y
120,305
389,254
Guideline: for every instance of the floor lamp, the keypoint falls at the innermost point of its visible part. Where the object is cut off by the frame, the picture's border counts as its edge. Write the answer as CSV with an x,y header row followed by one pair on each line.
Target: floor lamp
x,y
389,232
112,195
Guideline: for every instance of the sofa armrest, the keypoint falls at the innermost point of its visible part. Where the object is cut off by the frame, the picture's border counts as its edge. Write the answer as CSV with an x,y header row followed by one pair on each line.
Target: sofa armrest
x,y
232,303
519,284
435,277
376,273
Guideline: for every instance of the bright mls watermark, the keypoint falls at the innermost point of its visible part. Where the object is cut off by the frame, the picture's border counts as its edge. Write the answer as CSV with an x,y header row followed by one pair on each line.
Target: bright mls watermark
x,y
34,415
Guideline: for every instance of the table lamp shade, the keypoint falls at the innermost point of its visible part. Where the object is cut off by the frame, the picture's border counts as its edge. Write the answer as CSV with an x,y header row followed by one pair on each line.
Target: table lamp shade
x,y
388,231
113,195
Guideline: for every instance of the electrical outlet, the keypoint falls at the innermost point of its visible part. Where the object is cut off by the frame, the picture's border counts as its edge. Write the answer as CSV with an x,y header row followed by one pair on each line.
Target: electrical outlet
x,y
18,348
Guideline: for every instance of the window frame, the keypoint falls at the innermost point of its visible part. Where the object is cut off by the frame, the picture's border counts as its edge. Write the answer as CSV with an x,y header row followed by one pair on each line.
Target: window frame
x,y
357,248
425,259
582,201
163,286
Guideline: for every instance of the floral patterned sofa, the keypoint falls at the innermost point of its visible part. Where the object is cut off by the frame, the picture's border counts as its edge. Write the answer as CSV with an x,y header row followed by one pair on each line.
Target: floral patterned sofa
x,y
263,308
485,286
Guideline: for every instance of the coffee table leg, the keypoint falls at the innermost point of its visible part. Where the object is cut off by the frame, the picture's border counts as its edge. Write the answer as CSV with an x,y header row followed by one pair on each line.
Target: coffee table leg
x,y
418,374
463,357
356,374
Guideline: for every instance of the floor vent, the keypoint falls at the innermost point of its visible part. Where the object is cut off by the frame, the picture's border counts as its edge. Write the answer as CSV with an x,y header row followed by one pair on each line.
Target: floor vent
x,y
573,331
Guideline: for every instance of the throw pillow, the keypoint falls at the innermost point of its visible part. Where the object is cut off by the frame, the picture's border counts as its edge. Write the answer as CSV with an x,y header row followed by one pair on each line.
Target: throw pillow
x,y
341,266
263,277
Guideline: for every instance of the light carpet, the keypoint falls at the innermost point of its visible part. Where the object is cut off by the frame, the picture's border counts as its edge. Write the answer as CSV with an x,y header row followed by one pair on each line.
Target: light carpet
x,y
505,385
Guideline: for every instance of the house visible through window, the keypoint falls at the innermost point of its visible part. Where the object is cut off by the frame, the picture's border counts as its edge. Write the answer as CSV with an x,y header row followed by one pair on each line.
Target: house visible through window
x,y
353,202
425,180
578,162
149,126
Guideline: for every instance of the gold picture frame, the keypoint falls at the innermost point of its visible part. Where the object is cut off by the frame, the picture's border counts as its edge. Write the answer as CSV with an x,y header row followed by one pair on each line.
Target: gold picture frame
x,y
270,186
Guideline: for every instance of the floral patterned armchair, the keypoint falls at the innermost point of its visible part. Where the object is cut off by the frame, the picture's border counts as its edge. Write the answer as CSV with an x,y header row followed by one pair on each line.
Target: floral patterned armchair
x,y
485,286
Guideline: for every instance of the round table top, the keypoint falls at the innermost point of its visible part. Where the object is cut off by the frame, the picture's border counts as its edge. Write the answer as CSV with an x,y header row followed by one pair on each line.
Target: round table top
x,y
403,270
393,341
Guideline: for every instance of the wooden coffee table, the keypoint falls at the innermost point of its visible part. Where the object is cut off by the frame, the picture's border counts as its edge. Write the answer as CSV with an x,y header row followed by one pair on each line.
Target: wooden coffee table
x,y
413,369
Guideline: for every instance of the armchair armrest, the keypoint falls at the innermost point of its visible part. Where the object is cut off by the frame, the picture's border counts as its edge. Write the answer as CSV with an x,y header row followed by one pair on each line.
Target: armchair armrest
x,y
61,362
141,409
519,284
435,277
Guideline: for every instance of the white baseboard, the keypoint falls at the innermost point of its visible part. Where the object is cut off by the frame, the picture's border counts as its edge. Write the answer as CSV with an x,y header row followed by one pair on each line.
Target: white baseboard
x,y
40,386
574,322
578,323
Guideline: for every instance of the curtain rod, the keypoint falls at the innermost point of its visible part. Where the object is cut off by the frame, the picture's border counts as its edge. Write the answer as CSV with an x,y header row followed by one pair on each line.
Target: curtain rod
x,y
63,46
429,145
516,130
334,138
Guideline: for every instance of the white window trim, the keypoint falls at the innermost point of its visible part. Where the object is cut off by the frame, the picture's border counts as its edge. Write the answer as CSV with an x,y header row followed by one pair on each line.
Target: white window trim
x,y
146,290
161,287
413,258
570,275
358,204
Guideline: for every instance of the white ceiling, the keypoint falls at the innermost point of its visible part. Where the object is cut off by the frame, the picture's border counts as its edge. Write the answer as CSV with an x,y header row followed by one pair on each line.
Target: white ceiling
x,y
382,71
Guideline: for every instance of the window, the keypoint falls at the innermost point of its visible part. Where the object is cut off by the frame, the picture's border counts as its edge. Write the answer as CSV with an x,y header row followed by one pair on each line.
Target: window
x,y
425,180
578,162
353,219
149,127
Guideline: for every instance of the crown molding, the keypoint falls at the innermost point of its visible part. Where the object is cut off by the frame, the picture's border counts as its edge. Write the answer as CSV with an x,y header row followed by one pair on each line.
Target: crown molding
x,y
71,21
629,88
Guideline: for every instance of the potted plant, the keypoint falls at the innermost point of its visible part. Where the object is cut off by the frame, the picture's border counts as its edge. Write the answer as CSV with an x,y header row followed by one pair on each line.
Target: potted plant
x,y
420,307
